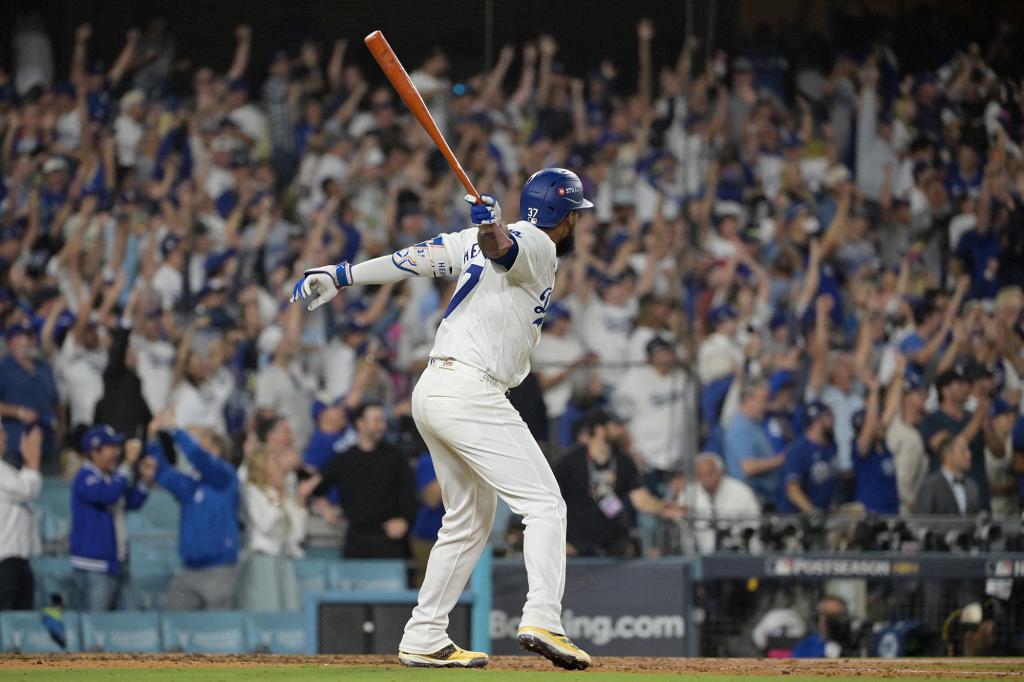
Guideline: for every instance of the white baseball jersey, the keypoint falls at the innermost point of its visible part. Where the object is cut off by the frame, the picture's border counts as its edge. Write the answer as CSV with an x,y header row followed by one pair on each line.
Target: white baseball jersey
x,y
494,319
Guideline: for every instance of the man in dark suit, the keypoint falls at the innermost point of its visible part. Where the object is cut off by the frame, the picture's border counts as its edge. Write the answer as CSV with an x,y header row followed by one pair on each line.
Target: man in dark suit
x,y
949,490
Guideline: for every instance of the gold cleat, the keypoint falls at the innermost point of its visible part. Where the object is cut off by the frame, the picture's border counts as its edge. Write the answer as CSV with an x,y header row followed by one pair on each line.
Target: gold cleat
x,y
555,647
449,657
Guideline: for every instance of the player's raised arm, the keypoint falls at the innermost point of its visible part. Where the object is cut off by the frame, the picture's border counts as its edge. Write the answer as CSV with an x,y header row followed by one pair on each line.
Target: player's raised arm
x,y
493,237
439,257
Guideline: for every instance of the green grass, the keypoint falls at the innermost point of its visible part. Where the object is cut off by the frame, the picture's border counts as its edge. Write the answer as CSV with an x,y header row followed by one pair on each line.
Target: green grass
x,y
256,673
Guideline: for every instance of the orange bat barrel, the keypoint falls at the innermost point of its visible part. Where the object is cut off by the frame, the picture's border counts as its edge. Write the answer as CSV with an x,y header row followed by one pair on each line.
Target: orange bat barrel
x,y
400,81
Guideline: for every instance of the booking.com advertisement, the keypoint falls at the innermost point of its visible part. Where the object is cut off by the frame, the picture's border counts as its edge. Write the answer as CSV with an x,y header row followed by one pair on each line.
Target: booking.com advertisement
x,y
609,608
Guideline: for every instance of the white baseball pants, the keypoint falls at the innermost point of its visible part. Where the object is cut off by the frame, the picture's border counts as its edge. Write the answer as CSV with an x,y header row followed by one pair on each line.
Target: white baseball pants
x,y
481,446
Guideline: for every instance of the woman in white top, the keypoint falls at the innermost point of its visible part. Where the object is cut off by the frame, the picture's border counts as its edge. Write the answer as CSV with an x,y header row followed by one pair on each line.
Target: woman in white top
x,y
275,525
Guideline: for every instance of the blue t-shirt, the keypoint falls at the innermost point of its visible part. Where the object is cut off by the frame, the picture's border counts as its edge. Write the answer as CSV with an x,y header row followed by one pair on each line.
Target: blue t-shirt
x,y
781,428
428,519
322,448
35,390
976,250
746,439
876,479
813,466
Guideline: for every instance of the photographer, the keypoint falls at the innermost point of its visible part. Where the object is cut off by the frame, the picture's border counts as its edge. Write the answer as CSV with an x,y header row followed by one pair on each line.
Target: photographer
x,y
831,638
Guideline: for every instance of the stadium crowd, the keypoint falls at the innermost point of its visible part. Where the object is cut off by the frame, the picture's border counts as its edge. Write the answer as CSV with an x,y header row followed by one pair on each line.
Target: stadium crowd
x,y
799,290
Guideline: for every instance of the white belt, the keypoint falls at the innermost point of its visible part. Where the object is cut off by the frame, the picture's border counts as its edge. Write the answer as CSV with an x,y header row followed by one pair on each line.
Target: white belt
x,y
451,364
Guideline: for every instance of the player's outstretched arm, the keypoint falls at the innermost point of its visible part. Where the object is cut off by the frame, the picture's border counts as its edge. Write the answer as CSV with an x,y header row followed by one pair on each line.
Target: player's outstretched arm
x,y
434,258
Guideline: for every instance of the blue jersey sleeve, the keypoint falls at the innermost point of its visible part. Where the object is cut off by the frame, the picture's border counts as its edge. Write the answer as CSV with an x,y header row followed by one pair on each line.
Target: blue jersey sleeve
x,y
425,474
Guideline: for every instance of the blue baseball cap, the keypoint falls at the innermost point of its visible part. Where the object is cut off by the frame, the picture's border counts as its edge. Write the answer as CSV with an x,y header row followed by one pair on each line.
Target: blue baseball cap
x,y
16,330
98,436
816,410
319,405
720,314
779,381
913,381
558,311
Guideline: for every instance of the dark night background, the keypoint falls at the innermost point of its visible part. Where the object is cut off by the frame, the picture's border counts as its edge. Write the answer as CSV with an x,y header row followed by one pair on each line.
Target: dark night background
x,y
924,32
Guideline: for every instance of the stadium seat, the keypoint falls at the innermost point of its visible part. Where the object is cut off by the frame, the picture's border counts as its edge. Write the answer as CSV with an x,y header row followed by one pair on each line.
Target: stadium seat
x,y
204,632
367,575
161,510
24,632
276,633
53,576
311,574
54,503
150,577
121,632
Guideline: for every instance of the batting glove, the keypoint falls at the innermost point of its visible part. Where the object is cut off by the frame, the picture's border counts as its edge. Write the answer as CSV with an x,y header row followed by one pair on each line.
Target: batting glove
x,y
320,285
487,213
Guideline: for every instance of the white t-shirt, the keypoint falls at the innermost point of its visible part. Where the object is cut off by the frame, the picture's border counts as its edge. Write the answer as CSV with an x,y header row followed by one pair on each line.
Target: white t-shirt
x,y
155,370
605,329
734,504
251,121
168,285
202,406
127,134
338,368
718,356
81,379
660,410
69,130
288,393
218,181
553,355
493,321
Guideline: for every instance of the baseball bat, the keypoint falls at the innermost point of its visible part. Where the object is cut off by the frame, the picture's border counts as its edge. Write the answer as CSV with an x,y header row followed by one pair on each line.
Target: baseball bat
x,y
400,81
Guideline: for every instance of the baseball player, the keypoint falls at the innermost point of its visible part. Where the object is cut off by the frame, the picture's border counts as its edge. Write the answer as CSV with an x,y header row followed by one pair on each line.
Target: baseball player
x,y
479,443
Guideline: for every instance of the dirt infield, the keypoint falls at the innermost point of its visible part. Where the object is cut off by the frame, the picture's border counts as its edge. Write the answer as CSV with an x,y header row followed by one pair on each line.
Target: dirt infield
x,y
868,668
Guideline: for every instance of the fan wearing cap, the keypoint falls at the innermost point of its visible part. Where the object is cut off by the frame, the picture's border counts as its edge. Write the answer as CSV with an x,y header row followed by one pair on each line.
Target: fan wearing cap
x,y
605,320
953,420
28,395
657,399
53,190
808,477
874,466
718,359
102,491
903,438
833,381
603,489
559,360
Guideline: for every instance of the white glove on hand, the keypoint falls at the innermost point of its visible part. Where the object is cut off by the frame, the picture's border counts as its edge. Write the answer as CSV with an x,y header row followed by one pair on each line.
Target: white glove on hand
x,y
487,213
322,284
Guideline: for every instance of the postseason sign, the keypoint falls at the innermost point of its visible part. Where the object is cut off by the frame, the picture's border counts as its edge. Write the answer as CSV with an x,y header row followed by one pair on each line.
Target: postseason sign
x,y
610,608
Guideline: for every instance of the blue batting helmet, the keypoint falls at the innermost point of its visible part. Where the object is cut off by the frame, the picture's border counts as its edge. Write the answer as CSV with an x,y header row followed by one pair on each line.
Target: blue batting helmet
x,y
549,195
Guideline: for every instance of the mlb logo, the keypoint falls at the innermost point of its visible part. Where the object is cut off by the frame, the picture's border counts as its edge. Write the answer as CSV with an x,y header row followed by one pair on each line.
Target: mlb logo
x,y
561,191
1004,569
782,567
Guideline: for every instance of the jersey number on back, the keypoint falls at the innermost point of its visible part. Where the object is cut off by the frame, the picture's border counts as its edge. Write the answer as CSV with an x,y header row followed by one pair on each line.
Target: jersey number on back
x,y
473,273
